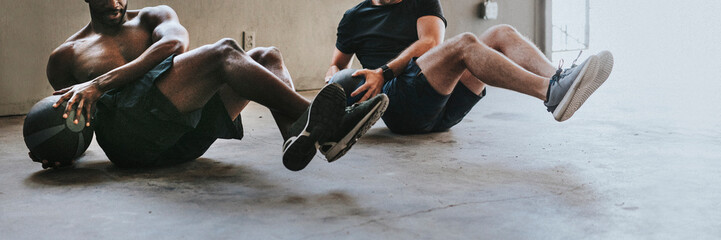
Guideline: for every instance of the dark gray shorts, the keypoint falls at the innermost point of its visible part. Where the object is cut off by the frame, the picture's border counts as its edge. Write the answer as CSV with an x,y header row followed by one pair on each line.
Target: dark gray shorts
x,y
137,126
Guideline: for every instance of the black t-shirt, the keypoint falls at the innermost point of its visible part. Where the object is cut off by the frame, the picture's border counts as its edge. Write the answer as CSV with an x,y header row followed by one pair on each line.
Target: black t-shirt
x,y
377,34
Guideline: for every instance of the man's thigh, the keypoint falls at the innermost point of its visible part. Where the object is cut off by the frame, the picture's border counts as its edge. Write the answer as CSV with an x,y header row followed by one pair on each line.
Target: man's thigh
x,y
214,123
415,106
442,66
193,79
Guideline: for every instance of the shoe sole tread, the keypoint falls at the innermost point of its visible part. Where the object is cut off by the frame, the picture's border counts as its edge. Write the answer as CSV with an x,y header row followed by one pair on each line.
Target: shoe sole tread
x,y
325,113
600,69
345,144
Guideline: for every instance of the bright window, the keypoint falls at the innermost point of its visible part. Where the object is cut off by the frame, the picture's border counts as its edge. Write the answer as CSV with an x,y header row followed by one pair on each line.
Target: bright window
x,y
570,20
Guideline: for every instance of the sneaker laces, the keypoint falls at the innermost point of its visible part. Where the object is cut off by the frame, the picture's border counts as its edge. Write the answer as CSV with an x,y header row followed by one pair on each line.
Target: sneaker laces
x,y
350,109
573,64
557,75
560,72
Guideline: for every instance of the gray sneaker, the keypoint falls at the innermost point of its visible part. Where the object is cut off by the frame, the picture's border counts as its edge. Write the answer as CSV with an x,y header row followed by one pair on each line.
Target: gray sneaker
x,y
317,123
569,88
358,119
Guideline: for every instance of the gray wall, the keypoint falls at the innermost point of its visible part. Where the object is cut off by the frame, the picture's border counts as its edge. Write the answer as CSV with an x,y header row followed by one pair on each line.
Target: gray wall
x,y
303,30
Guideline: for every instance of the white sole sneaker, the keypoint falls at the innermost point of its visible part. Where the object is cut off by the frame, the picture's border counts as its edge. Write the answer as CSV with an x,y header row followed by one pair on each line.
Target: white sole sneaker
x,y
336,150
595,73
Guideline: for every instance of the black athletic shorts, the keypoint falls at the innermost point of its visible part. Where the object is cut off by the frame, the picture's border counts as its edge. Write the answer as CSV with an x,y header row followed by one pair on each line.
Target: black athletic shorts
x,y
137,126
416,107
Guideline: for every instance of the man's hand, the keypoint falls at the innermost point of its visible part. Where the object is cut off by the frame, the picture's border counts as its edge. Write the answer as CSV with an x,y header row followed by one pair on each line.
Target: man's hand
x,y
47,164
84,94
339,62
372,86
331,71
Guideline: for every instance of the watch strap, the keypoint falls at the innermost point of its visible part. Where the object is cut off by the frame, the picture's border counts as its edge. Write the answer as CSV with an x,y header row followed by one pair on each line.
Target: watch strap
x,y
387,73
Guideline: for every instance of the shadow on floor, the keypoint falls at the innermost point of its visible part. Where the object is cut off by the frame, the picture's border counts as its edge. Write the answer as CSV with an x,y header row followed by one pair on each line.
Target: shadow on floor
x,y
96,172
202,182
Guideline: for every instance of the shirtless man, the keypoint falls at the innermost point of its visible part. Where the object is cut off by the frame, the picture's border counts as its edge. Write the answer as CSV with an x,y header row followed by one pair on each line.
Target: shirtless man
x,y
154,104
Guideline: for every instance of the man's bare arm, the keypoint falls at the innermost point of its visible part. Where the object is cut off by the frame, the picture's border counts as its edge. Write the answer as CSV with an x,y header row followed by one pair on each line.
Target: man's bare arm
x,y
169,37
431,30
59,73
339,62
59,69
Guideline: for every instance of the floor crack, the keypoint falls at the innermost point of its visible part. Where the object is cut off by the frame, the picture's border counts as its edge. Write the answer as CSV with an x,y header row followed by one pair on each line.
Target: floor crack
x,y
382,219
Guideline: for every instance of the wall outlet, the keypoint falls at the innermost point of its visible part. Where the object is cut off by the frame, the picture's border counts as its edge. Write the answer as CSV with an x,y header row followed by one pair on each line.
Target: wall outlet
x,y
248,40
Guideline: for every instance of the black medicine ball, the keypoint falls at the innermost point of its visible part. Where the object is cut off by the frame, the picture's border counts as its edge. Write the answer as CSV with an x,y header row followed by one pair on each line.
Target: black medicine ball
x,y
51,137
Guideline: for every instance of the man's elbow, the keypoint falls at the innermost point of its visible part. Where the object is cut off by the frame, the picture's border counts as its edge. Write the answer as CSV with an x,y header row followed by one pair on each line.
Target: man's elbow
x,y
175,46
431,42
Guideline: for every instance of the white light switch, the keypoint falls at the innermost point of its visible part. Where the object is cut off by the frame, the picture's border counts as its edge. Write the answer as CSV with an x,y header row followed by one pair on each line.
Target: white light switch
x,y
491,10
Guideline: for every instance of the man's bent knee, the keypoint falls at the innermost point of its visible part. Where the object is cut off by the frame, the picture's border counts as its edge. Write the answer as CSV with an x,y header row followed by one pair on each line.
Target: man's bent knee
x,y
230,43
266,55
500,30
227,46
463,41
498,33
452,51
466,38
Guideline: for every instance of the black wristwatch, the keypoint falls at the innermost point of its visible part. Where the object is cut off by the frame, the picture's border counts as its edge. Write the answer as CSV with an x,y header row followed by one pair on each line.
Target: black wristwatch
x,y
387,73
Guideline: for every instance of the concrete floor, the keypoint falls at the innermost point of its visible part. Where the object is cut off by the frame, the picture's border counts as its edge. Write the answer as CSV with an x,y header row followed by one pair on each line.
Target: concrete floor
x,y
640,160
507,171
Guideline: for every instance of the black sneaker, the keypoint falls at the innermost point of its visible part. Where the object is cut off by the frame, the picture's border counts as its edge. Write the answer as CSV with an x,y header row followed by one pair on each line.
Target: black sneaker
x,y
358,119
317,123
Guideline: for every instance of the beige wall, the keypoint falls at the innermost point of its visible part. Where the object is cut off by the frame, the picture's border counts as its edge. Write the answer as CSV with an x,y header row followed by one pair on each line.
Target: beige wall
x,y
303,30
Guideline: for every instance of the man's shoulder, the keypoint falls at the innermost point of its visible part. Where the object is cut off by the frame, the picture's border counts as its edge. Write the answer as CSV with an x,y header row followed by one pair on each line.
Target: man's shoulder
x,y
156,10
67,49
64,54
356,8
67,46
156,13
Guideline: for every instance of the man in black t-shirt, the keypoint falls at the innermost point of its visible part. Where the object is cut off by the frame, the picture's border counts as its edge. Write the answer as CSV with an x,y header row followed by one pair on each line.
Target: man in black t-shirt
x,y
432,85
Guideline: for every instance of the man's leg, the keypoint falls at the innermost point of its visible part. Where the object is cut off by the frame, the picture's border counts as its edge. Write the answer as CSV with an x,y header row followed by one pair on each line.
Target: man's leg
x,y
444,65
472,83
198,74
271,59
507,40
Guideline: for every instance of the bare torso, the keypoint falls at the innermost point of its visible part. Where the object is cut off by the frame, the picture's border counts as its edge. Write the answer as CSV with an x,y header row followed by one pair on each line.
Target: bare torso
x,y
90,54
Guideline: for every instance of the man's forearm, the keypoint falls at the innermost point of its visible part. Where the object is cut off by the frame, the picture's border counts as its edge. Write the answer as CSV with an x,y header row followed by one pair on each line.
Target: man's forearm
x,y
332,71
339,62
135,69
416,49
